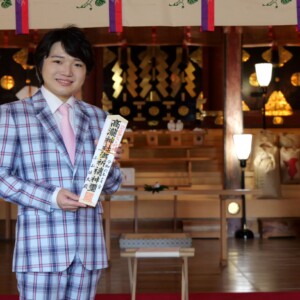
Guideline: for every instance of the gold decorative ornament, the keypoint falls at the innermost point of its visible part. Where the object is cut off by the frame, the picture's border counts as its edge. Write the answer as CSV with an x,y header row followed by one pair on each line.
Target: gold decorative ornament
x,y
152,96
183,110
21,57
162,74
139,118
219,120
189,80
153,111
182,97
199,116
146,66
284,55
139,104
197,57
153,123
278,120
117,79
277,106
245,56
167,117
295,79
125,111
131,84
108,56
176,76
168,104
7,82
253,80
106,103
199,105
245,107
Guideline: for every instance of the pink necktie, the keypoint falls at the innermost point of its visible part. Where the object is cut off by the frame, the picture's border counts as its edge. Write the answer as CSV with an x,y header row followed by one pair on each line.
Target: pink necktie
x,y
67,130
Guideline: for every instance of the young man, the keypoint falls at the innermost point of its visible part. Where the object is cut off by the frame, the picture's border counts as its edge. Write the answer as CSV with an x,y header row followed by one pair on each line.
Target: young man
x,y
60,249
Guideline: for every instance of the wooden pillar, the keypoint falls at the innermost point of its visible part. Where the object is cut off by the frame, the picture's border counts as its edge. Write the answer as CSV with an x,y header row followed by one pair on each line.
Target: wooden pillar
x,y
213,77
233,114
93,86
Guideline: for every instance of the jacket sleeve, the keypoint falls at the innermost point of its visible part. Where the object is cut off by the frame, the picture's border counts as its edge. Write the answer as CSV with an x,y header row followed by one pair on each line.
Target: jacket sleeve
x,y
13,188
113,180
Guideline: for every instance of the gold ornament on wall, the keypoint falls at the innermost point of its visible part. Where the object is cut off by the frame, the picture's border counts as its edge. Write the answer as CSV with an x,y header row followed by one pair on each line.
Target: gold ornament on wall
x,y
295,79
21,57
277,120
153,123
176,73
219,120
145,75
278,107
183,110
161,74
131,76
106,103
245,56
245,107
108,57
154,82
283,54
197,57
153,111
7,82
253,80
118,79
125,111
189,79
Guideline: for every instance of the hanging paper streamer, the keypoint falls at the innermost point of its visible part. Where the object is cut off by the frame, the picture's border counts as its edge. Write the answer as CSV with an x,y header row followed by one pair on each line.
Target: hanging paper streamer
x,y
298,15
208,15
22,23
115,16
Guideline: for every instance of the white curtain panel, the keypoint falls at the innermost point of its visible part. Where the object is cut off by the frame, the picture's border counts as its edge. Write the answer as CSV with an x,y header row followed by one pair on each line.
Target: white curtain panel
x,y
85,13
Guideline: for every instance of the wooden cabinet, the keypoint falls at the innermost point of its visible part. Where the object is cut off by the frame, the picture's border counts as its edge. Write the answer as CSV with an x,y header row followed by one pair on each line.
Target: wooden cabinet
x,y
171,158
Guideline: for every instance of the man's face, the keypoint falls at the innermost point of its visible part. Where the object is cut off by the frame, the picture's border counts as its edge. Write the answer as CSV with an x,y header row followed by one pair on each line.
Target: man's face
x,y
63,74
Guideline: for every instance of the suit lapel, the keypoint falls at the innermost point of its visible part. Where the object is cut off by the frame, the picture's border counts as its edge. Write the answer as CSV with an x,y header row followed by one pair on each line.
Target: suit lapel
x,y
47,121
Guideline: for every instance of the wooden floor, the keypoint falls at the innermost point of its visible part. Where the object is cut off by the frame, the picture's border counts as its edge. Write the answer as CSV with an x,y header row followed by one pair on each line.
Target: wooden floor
x,y
253,265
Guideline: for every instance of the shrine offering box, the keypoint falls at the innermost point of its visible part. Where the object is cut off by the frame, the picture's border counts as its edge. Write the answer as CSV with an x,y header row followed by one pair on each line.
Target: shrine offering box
x,y
110,138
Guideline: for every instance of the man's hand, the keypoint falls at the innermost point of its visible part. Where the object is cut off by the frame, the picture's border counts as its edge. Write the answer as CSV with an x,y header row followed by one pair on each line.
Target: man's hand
x,y
118,154
68,201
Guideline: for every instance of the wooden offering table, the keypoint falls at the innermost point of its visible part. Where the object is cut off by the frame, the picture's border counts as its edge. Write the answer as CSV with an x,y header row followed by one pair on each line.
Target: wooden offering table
x,y
134,254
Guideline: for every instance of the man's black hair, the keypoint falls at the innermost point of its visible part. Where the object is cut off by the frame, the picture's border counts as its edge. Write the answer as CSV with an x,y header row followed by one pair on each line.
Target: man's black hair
x,y
74,43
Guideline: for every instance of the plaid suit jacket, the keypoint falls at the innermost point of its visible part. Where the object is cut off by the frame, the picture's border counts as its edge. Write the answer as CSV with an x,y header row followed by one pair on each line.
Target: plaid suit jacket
x,y
33,163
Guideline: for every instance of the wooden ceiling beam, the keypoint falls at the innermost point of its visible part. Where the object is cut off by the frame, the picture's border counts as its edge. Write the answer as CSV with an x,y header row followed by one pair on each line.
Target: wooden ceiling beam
x,y
252,36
